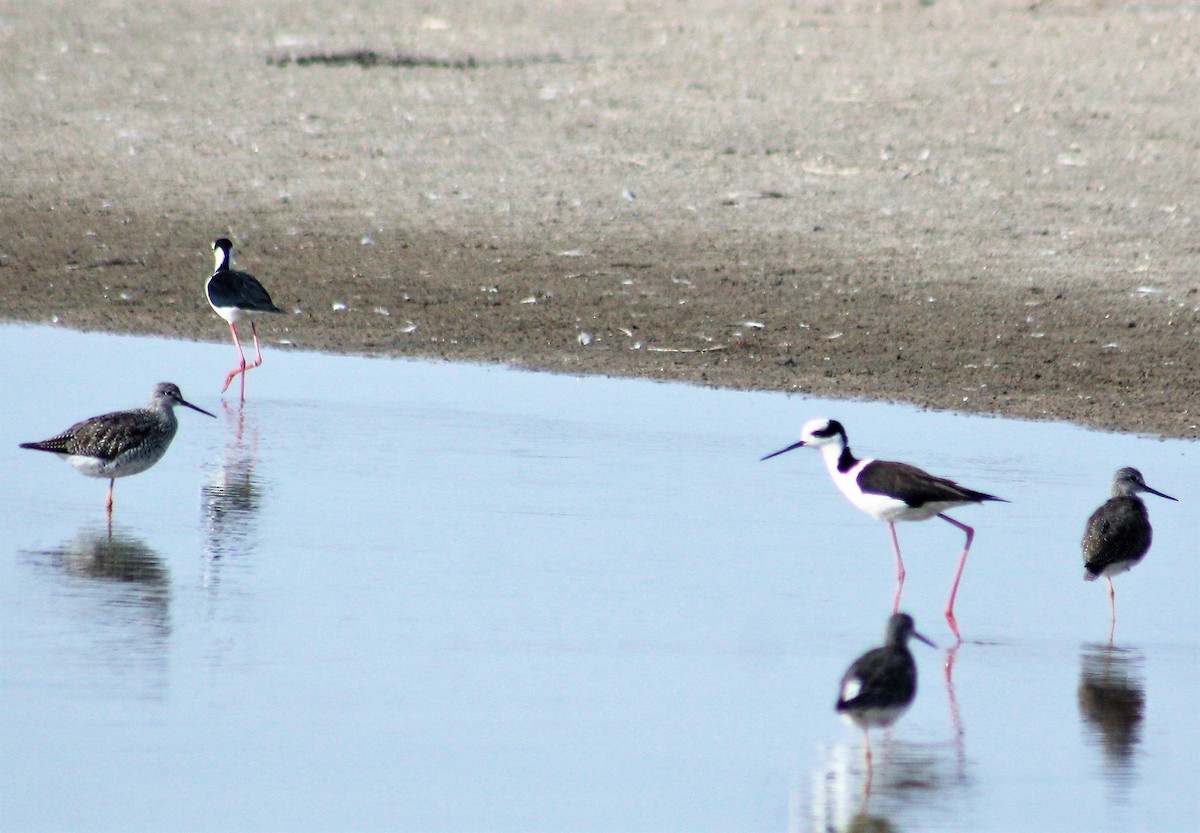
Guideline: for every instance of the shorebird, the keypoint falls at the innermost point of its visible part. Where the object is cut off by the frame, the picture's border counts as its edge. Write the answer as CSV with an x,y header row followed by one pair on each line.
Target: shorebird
x,y
890,492
1117,535
123,442
880,685
234,294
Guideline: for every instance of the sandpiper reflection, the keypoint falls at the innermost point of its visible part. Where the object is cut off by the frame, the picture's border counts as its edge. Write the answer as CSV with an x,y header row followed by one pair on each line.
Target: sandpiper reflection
x,y
120,585
907,778
1112,703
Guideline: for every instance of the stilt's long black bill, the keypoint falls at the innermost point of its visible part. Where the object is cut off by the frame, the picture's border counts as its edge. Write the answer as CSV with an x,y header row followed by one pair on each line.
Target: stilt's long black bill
x,y
791,447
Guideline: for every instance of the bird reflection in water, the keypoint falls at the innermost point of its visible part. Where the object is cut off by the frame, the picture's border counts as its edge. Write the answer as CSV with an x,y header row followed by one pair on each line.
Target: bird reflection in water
x,y
121,587
118,556
913,781
1112,703
232,495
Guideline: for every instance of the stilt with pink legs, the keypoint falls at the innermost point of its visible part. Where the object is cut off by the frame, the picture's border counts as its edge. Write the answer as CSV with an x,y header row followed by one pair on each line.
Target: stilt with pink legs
x,y
890,492
233,295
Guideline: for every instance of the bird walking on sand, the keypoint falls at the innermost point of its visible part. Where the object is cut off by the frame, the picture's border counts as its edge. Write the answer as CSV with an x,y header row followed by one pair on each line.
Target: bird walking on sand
x,y
879,686
1118,534
891,492
233,295
123,442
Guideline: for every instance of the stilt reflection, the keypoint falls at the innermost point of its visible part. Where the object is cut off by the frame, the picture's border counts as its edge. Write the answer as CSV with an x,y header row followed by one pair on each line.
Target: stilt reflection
x,y
231,498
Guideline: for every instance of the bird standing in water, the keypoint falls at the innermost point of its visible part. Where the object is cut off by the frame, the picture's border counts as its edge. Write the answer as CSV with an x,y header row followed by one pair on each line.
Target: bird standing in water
x,y
891,492
233,295
879,686
1118,534
123,442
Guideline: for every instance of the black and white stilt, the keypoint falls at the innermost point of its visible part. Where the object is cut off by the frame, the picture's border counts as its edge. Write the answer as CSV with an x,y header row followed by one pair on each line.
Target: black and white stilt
x,y
233,295
891,492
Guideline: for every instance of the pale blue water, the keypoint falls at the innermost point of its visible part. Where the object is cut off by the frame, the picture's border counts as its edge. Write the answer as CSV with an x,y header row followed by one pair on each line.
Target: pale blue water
x,y
395,595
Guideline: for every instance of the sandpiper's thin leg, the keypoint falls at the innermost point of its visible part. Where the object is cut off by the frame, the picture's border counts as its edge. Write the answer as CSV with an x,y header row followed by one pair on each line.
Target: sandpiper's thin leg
x,y
870,767
1112,608
962,562
109,503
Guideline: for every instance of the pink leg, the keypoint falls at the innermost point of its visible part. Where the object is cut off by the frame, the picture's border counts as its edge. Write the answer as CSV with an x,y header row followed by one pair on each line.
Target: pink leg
x,y
257,349
962,562
899,568
108,503
241,368
955,714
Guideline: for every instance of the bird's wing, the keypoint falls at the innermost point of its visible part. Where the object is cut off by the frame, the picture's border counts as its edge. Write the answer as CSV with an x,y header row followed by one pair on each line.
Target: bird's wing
x,y
877,674
1117,531
913,485
105,436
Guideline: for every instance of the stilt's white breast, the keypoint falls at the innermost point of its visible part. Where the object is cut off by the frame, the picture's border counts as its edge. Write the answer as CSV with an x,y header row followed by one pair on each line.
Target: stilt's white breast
x,y
879,507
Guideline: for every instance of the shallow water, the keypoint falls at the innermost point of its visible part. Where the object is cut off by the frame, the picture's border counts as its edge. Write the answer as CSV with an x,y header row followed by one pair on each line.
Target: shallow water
x,y
415,596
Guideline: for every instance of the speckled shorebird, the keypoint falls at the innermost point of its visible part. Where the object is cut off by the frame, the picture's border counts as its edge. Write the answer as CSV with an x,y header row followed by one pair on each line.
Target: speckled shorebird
x,y
880,685
1118,534
123,442
234,294
891,492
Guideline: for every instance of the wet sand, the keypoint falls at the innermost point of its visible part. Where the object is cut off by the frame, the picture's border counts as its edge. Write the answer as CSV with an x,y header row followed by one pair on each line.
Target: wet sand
x,y
987,207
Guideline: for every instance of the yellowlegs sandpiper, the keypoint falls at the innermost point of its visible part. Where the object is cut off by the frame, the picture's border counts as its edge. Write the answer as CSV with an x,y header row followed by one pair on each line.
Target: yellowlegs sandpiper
x,y
1118,534
880,685
123,442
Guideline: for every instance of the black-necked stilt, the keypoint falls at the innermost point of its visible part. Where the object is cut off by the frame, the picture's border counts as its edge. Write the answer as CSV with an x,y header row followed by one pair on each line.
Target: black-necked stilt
x,y
1117,535
123,442
880,685
890,492
234,294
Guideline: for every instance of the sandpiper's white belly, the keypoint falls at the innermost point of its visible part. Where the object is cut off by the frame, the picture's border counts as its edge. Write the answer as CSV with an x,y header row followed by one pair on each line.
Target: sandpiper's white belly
x,y
121,466
1118,567
869,718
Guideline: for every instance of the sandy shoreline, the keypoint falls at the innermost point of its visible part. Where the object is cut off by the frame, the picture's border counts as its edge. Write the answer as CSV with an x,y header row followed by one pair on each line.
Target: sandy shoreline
x,y
982,207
